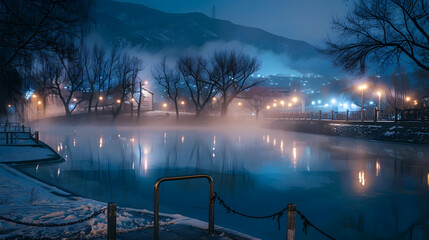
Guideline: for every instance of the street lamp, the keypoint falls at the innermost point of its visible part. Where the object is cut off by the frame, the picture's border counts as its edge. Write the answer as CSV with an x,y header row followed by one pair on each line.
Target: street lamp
x,y
239,104
295,99
362,88
379,104
182,102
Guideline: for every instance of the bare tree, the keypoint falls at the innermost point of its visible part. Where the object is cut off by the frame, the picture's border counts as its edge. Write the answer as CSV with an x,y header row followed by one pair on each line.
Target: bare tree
x,y
127,69
169,80
109,73
257,98
229,72
95,62
201,91
396,95
70,80
381,31
30,27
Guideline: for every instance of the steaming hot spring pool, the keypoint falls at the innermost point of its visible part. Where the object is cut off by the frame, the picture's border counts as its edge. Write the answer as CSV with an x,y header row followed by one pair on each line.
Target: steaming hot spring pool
x,y
350,188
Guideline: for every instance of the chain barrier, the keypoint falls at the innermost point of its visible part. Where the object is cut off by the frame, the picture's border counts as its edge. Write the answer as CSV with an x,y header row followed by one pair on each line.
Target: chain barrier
x,y
276,215
307,223
95,214
22,138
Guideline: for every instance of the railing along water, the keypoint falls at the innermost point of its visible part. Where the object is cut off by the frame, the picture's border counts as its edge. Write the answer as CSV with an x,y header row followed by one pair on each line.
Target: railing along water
x,y
156,201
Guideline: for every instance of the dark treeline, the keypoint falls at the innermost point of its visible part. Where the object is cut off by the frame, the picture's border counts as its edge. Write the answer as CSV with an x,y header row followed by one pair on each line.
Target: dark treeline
x,y
45,51
221,76
30,30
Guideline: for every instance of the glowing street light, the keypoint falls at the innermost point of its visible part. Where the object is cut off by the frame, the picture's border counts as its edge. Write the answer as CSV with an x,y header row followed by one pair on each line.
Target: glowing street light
x,y
146,82
289,104
182,102
118,101
239,104
295,99
282,103
407,99
214,99
133,99
362,88
268,107
274,104
39,102
164,105
101,98
379,99
9,106
34,96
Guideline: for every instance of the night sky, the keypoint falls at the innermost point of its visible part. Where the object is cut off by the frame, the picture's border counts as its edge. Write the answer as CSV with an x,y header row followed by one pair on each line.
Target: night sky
x,y
307,20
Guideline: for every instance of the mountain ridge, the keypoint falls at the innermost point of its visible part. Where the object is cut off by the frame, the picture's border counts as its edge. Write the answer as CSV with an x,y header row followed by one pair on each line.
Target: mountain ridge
x,y
156,31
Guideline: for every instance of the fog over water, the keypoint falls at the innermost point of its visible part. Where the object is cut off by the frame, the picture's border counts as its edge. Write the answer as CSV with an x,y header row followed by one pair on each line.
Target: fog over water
x,y
350,188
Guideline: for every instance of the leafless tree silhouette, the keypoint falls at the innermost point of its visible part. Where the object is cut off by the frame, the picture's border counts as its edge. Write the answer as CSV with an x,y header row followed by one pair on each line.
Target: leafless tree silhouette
x,y
381,31
169,79
229,72
201,91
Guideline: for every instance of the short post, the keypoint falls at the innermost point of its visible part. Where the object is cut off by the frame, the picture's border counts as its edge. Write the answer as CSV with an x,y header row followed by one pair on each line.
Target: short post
x,y
347,115
36,136
320,115
311,115
111,221
375,114
291,208
305,115
332,115
23,128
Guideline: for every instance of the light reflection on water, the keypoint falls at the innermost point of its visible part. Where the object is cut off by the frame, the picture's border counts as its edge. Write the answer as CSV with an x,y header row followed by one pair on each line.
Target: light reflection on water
x,y
352,189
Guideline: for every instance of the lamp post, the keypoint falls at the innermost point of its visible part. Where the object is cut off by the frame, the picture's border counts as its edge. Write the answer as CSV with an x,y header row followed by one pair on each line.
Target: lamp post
x,y
379,104
362,88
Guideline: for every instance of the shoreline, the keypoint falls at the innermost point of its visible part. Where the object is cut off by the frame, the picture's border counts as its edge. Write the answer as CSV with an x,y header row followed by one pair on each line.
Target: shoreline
x,y
399,132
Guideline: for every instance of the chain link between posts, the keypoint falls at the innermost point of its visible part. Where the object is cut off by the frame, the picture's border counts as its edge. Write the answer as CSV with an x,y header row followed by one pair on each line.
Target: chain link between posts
x,y
275,216
95,214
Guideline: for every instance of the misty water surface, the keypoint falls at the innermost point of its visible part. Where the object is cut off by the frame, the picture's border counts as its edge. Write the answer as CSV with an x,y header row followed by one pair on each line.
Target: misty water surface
x,y
352,189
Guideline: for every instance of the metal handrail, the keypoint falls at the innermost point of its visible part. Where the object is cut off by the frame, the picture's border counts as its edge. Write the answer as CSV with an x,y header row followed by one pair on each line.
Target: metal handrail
x,y
156,201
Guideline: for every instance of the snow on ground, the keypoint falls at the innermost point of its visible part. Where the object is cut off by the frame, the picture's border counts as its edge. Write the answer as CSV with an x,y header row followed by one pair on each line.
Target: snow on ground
x,y
16,153
24,149
27,200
